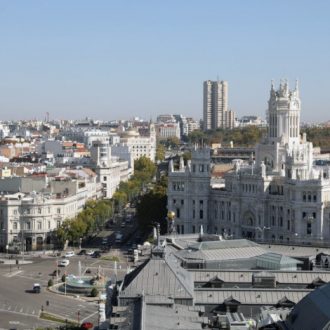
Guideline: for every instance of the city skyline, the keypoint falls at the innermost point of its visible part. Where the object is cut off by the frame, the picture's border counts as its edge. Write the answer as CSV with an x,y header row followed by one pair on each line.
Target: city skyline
x,y
121,60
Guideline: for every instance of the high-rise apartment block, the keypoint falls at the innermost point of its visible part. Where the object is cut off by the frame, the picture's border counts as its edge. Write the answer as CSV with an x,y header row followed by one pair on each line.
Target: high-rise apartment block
x,y
215,104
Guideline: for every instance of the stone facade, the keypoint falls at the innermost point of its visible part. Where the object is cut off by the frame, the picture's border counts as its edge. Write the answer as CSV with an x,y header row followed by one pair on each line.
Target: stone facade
x,y
281,196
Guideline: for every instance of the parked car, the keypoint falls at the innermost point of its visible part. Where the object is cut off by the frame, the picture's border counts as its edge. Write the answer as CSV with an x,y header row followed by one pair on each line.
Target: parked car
x,y
86,325
64,262
36,288
69,254
96,254
89,252
82,252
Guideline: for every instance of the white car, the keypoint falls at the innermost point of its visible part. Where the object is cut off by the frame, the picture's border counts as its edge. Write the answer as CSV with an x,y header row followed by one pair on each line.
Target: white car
x,y
64,263
89,252
69,254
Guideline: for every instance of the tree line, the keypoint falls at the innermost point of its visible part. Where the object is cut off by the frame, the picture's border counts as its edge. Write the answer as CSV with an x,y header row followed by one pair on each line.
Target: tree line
x,y
96,212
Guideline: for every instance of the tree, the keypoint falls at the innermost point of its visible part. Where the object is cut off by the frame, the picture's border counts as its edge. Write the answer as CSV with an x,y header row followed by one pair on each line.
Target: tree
x,y
146,166
152,208
94,292
173,142
160,152
120,199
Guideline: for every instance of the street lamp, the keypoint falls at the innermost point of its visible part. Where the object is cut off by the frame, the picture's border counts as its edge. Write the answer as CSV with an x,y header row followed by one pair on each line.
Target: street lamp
x,y
80,240
171,223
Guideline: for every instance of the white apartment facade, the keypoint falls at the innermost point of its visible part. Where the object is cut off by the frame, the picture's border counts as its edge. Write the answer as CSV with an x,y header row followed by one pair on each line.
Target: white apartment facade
x,y
140,145
27,220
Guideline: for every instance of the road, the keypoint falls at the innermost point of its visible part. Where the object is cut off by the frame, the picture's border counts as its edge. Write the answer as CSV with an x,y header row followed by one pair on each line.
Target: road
x,y
20,309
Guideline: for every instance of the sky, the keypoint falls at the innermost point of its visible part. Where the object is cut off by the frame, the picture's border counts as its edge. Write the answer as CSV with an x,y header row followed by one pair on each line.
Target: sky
x,y
112,60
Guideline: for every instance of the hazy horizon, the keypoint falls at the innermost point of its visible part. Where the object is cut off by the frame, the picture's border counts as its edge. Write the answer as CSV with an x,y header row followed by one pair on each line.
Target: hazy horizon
x,y
117,60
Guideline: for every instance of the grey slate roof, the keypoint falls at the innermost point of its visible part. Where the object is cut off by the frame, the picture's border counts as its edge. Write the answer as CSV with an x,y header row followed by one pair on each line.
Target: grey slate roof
x,y
168,318
161,277
248,296
244,276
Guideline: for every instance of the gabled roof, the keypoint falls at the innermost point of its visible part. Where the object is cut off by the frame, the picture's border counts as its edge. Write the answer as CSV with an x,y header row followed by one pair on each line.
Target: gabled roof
x,y
159,277
285,302
231,301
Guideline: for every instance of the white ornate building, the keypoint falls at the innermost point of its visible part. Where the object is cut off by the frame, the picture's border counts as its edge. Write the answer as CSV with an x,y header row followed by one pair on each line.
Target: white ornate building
x,y
281,196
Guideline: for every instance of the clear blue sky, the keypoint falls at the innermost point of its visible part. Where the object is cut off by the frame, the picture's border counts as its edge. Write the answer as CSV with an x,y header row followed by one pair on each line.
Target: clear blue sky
x,y
119,59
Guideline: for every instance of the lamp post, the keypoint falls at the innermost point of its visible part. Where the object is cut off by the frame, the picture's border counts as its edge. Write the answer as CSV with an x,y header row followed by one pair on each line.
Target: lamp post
x,y
80,240
171,222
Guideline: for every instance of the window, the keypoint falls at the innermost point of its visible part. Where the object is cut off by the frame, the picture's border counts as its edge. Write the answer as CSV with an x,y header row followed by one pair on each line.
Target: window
x,y
309,197
178,213
15,211
28,225
39,225
58,210
309,228
314,197
174,201
48,224
193,229
58,224
194,168
104,178
39,210
201,215
201,168
182,202
288,225
15,225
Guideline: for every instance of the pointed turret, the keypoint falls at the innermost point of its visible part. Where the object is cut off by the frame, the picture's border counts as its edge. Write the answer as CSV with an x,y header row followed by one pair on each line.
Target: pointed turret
x,y
181,164
171,166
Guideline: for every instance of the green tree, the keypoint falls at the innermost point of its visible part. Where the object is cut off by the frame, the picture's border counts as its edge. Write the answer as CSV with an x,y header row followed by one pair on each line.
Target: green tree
x,y
94,292
120,199
160,152
152,208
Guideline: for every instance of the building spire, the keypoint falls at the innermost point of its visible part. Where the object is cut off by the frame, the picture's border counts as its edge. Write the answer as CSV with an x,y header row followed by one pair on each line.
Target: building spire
x,y
297,87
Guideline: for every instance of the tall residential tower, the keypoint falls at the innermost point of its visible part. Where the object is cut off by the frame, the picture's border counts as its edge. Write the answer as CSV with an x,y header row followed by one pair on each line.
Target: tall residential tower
x,y
215,104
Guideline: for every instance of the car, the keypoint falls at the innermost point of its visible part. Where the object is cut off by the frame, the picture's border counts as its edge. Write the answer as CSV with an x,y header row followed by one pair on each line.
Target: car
x,y
82,252
64,262
104,240
90,252
86,325
36,288
123,225
69,254
96,254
